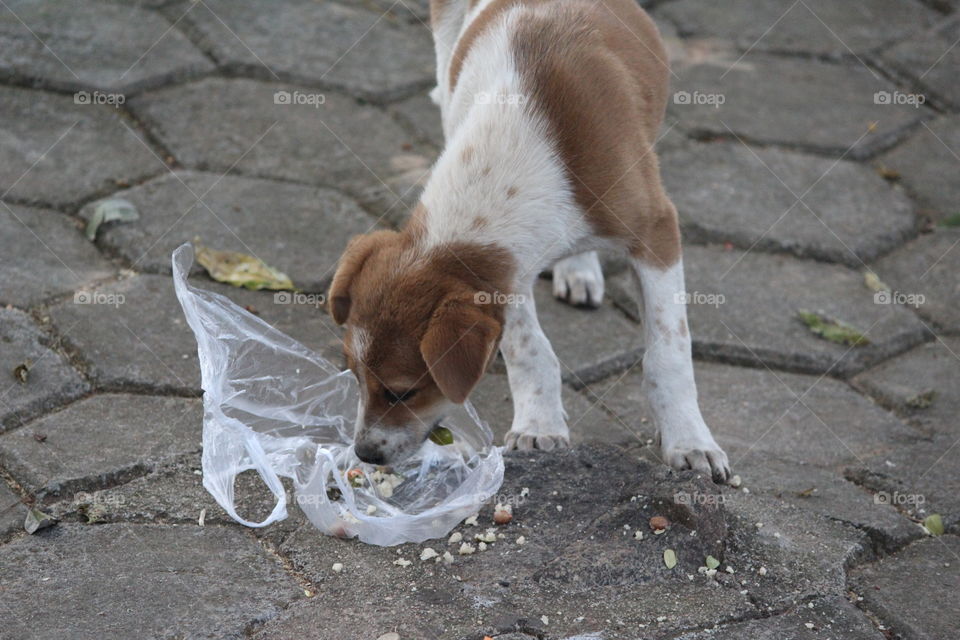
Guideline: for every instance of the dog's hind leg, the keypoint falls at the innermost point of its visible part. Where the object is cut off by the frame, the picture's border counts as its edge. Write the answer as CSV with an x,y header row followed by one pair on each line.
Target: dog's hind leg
x,y
578,279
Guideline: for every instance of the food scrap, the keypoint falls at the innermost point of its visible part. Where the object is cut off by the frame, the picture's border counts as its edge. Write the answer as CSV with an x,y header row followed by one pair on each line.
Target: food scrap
x,y
502,513
659,524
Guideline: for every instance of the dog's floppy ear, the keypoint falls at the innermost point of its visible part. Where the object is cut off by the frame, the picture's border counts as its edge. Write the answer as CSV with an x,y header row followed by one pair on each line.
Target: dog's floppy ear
x,y
351,262
459,343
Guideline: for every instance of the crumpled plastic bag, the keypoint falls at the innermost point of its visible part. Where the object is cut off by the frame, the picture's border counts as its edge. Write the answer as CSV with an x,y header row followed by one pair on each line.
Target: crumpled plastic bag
x,y
274,406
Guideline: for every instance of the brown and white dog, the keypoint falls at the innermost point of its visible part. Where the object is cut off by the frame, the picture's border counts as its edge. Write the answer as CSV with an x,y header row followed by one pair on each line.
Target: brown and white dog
x,y
550,112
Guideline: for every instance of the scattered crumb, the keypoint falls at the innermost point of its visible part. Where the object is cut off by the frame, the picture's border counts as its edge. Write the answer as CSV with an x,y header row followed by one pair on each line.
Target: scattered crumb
x,y
371,509
521,540
736,481
427,554
448,557
544,619
402,562
455,538
762,571
559,507
524,492
638,535
488,536
466,549
337,567
482,546
472,520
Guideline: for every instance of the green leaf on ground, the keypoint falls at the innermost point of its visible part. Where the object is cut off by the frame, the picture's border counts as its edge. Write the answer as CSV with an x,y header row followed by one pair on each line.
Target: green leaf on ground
x,y
241,270
712,563
922,400
873,282
441,436
832,330
113,209
933,523
670,558
951,221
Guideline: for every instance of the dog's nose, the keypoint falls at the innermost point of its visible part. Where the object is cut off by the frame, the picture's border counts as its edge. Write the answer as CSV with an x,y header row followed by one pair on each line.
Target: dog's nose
x,y
369,453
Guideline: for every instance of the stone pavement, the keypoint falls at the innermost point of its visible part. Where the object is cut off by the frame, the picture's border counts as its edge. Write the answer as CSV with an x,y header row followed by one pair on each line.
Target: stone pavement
x,y
807,142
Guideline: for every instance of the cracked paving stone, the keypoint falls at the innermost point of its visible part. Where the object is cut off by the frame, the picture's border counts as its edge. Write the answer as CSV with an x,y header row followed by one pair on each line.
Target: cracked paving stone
x,y
588,422
51,381
48,148
915,591
931,61
817,27
928,163
88,582
579,551
829,617
726,192
101,440
298,229
755,413
133,334
760,95
301,41
84,46
45,255
921,384
927,267
590,343
12,511
762,327
341,144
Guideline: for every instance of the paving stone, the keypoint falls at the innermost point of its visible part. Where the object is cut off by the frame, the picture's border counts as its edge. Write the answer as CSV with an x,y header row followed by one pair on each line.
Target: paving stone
x,y
930,61
761,327
755,413
101,440
413,11
88,582
81,46
590,343
726,192
341,144
829,617
919,479
12,511
318,43
902,385
48,148
817,27
133,335
45,255
587,420
928,163
423,115
927,266
760,94
915,591
578,561
51,381
298,229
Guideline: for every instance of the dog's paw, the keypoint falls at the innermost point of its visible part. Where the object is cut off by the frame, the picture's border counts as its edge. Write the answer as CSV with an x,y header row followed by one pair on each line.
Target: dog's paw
x,y
525,441
704,456
579,280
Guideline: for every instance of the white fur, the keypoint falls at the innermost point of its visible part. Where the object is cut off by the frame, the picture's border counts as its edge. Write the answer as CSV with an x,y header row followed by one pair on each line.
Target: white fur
x,y
578,279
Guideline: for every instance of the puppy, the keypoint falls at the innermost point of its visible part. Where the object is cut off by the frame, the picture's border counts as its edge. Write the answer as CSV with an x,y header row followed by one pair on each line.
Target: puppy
x,y
550,112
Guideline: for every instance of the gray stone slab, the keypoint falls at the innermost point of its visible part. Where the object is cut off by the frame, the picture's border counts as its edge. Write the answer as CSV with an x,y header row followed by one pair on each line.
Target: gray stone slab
x,y
915,591
126,581
760,94
590,343
817,27
904,384
12,511
928,266
743,307
726,192
420,113
588,420
45,255
108,47
580,567
51,380
928,163
101,440
755,413
298,229
828,618
413,11
132,333
49,148
315,43
930,61
236,124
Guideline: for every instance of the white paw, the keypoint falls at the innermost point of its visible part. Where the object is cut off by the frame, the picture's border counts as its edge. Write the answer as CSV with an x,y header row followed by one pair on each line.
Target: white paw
x,y
526,441
579,280
699,453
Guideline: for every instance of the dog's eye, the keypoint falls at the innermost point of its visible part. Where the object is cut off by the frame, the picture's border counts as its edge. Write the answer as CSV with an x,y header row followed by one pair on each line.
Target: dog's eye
x,y
393,397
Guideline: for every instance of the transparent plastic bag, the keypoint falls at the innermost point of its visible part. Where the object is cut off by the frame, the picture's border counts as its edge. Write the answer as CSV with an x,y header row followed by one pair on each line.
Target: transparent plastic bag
x,y
274,406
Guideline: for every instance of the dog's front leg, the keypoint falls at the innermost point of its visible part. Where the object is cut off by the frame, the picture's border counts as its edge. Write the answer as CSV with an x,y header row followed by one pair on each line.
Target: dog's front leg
x,y
539,421
685,439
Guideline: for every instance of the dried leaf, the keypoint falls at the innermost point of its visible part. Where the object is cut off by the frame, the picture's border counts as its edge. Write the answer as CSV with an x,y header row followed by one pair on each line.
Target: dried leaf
x,y
670,558
21,373
711,562
922,400
37,520
873,282
241,270
933,523
441,436
887,173
113,209
806,493
832,330
951,221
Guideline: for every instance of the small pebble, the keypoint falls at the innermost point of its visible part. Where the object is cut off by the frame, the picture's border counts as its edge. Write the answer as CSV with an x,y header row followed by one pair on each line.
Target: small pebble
x,y
521,540
735,482
337,567
762,571
544,619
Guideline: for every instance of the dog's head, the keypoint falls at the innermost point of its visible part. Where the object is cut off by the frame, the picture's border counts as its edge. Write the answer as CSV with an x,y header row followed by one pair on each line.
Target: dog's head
x,y
421,328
